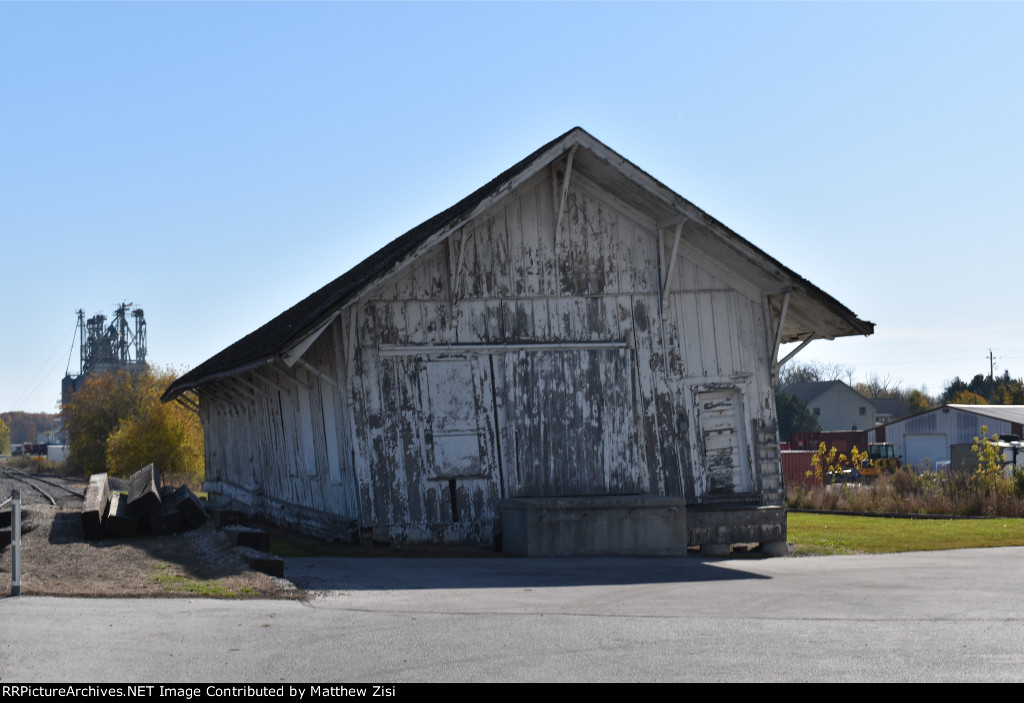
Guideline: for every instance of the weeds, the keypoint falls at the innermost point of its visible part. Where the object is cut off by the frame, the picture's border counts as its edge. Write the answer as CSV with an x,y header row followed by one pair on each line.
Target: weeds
x,y
906,492
36,463
180,583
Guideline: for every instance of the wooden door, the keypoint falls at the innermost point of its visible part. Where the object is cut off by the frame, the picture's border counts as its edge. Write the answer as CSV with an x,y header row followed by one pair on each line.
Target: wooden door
x,y
725,469
570,423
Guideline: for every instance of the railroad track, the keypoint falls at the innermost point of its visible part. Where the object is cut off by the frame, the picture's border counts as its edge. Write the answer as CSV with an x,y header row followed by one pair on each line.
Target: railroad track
x,y
33,482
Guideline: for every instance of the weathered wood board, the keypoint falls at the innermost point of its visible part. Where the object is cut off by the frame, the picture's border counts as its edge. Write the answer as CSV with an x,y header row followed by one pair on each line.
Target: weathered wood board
x,y
94,506
568,340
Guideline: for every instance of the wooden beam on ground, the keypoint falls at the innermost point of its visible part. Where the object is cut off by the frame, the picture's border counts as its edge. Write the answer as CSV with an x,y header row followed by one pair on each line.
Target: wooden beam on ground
x,y
144,488
94,507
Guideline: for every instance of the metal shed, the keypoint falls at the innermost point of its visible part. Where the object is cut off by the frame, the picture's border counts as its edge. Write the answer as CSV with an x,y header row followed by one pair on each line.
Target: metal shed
x,y
925,438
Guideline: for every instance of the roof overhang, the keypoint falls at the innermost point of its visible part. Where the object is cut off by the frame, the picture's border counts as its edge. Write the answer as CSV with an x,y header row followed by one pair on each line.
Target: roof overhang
x,y
803,311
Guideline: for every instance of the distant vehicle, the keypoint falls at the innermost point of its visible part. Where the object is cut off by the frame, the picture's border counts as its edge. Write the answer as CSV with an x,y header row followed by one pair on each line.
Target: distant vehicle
x,y
30,449
881,459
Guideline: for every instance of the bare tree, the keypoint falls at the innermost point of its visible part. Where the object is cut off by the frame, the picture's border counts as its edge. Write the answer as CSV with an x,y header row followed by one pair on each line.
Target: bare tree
x,y
814,371
880,387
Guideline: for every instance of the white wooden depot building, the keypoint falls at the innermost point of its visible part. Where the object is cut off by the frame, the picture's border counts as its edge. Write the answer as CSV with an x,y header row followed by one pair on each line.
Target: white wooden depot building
x,y
572,359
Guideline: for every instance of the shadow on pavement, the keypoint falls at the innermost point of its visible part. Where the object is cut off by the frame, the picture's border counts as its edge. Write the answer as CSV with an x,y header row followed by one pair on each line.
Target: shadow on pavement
x,y
361,574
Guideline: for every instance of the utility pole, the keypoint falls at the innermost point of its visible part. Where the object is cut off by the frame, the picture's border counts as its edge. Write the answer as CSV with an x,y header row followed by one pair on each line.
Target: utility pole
x,y
991,376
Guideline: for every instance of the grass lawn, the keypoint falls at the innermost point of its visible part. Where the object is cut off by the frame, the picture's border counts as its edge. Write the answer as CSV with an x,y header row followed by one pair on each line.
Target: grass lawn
x,y
814,534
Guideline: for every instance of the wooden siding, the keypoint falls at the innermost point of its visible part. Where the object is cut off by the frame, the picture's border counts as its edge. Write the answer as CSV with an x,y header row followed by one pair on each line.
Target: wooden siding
x,y
281,433
513,360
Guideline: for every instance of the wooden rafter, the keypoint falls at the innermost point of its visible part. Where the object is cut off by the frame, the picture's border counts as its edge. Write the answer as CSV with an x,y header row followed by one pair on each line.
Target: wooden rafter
x,y
458,274
670,268
317,372
270,382
565,190
187,403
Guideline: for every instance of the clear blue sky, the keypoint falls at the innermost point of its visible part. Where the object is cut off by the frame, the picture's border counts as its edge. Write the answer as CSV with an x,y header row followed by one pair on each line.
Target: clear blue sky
x,y
214,163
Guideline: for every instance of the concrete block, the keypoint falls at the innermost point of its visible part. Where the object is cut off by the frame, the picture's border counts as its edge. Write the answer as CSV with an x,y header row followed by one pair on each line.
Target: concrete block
x,y
735,523
637,525
263,561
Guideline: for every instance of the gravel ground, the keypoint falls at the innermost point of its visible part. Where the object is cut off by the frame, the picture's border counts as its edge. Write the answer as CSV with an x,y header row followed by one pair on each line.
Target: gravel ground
x,y
58,561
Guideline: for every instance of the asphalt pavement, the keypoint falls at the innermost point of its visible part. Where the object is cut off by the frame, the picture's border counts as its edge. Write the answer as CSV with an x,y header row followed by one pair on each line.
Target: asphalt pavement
x,y
923,616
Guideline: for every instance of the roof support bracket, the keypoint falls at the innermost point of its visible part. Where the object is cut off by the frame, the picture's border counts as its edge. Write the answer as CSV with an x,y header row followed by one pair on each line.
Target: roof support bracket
x,y
295,352
350,342
273,384
781,323
458,275
670,268
796,351
777,342
233,401
565,191
777,365
257,392
317,372
187,403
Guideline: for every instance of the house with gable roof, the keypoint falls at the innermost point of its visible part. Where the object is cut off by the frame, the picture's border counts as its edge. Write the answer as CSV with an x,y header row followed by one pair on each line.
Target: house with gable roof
x,y
837,406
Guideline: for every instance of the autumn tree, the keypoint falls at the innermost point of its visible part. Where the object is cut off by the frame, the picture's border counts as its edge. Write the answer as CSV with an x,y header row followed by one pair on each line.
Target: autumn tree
x,y
26,427
5,438
918,402
165,434
829,464
116,423
967,398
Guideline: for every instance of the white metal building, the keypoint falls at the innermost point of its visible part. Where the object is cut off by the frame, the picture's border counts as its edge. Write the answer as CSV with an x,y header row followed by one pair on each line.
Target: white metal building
x,y
925,438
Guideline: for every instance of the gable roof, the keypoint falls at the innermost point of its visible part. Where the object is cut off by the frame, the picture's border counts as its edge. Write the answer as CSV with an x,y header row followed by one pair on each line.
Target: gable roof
x,y
811,311
890,406
1006,413
810,390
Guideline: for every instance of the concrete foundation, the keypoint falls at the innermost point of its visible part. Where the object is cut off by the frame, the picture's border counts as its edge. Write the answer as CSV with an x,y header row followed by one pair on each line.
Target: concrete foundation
x,y
637,525
716,527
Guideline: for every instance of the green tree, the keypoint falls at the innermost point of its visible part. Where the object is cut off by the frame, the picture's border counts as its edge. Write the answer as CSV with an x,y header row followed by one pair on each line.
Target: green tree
x,y
1000,390
115,423
794,415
